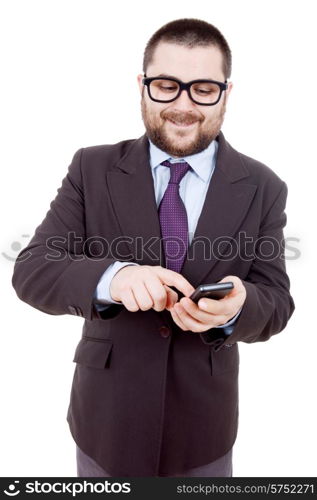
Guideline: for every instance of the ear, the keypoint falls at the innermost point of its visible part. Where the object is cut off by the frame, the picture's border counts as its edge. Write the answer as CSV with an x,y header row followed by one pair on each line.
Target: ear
x,y
230,85
139,80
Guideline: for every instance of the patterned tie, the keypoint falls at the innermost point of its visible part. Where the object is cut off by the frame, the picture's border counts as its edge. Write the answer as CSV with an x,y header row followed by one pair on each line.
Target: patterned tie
x,y
173,218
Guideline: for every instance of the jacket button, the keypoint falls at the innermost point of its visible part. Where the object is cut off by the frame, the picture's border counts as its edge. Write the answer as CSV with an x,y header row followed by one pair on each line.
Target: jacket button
x,y
72,310
165,331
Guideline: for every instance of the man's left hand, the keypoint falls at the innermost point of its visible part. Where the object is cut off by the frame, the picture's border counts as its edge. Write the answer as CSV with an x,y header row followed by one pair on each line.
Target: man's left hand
x,y
209,313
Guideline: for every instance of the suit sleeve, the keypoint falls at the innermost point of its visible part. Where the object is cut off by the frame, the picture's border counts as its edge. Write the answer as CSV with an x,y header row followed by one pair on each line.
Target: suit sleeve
x,y
55,273
268,305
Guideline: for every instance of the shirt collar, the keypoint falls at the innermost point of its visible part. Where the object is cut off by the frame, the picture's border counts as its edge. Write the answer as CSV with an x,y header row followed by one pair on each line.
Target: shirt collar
x,y
201,162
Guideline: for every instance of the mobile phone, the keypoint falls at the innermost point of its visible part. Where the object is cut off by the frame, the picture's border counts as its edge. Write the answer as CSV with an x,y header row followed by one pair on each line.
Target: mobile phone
x,y
211,291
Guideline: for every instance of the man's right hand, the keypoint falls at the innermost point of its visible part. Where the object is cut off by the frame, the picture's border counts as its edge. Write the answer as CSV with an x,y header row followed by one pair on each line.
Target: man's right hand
x,y
147,287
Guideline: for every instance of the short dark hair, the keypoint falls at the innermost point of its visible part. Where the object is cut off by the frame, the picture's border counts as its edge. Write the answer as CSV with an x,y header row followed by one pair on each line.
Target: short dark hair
x,y
189,33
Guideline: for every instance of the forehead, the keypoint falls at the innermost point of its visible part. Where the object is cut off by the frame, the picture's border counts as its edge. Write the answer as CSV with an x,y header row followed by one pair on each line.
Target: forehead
x,y
186,63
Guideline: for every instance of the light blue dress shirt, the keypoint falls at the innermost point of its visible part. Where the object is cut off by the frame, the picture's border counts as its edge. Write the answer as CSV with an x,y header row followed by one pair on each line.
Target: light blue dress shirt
x,y
192,189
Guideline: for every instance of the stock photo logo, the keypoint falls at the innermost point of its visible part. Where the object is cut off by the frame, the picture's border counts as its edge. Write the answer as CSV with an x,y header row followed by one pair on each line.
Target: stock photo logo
x,y
71,488
16,246
226,248
12,490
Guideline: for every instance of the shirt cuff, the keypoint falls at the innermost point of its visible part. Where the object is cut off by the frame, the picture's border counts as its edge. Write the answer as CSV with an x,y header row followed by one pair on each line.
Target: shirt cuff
x,y
229,326
102,295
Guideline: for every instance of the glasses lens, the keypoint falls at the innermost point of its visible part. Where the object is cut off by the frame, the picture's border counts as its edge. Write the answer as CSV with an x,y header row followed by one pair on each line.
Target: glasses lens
x,y
163,90
205,92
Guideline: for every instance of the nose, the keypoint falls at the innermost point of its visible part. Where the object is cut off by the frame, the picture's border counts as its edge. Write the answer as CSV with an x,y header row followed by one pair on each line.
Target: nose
x,y
183,102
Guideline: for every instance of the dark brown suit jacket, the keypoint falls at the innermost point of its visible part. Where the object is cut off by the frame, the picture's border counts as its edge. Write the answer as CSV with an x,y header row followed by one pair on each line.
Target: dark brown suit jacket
x,y
148,398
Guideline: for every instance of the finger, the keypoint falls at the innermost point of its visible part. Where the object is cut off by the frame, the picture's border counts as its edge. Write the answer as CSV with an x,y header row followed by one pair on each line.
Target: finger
x,y
193,310
175,279
128,300
157,292
142,297
177,320
172,297
222,307
190,323
208,319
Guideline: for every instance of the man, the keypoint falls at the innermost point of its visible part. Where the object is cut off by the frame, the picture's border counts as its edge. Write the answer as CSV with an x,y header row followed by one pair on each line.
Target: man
x,y
134,229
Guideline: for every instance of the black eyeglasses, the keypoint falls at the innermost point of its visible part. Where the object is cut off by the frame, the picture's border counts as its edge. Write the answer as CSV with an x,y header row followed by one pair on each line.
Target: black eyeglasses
x,y
202,92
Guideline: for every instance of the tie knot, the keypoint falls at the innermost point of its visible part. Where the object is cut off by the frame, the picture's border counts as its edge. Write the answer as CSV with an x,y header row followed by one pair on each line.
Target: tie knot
x,y
178,170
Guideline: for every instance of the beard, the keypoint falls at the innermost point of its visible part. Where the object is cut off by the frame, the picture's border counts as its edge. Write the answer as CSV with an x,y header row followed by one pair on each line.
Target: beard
x,y
179,146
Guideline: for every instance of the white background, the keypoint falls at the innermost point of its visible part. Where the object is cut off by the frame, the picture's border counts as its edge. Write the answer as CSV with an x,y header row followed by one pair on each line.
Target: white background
x,y
68,81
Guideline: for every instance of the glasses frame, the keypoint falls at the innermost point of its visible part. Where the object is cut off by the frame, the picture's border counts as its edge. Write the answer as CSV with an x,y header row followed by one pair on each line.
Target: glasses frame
x,y
184,86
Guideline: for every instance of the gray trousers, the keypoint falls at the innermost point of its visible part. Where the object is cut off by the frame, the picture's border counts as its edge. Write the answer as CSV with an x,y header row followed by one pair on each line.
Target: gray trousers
x,y
222,467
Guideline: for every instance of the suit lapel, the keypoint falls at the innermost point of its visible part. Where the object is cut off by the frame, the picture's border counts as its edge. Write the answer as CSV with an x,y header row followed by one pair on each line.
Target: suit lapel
x,y
226,204
227,201
131,189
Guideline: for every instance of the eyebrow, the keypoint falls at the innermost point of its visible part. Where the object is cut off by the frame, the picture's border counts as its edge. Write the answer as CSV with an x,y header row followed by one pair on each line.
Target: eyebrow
x,y
165,75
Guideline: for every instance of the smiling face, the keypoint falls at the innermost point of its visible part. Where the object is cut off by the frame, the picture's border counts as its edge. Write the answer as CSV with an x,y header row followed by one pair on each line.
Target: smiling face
x,y
182,127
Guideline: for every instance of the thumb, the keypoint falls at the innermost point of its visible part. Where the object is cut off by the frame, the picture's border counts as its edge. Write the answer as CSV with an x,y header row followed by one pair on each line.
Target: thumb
x,y
172,297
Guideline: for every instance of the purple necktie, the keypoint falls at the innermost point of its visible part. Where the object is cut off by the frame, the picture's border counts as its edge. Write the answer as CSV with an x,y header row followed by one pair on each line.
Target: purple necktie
x,y
173,218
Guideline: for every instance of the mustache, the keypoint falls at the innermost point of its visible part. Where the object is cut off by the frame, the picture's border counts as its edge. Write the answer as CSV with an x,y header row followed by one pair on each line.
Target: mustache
x,y
183,118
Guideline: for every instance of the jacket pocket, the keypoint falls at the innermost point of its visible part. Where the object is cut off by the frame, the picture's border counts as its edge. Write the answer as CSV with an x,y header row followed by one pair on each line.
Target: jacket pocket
x,y
93,352
225,359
